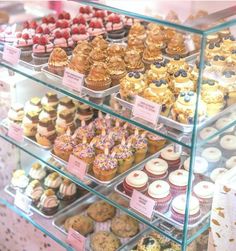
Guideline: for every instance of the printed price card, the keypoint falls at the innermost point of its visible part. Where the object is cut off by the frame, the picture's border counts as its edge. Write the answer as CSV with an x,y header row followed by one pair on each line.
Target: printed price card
x,y
73,80
76,240
146,110
11,54
15,131
77,167
22,201
142,204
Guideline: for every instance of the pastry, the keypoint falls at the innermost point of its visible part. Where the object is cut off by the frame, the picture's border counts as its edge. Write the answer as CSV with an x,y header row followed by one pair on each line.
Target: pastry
x,y
133,61
183,109
137,180
131,85
84,152
105,167
103,240
50,100
24,42
158,70
101,123
65,122
151,54
159,93
49,203
116,50
148,243
228,43
176,64
128,22
216,173
98,78
37,172
79,33
96,28
80,63
16,113
177,46
115,27
118,133
136,44
57,61
34,191
67,190
101,211
82,47
19,179
212,155
46,132
29,123
156,168
48,112
178,209
124,226
159,191
33,105
53,181
67,104
228,144
218,62
171,157
63,146
178,180
114,196
207,132
80,223
117,69
137,30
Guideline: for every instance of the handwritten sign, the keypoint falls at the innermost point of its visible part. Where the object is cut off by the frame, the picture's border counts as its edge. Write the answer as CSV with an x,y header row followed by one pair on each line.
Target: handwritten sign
x,y
77,167
73,80
11,54
15,132
76,240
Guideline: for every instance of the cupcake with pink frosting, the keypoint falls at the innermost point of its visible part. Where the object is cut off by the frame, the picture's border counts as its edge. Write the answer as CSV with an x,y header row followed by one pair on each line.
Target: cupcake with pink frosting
x,y
24,42
101,15
86,12
49,22
128,22
79,33
77,21
63,40
64,17
96,28
115,27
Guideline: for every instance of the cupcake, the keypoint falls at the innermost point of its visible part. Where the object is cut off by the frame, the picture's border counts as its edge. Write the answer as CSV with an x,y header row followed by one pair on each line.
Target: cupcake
x,y
48,112
24,42
101,15
164,241
171,157
67,104
137,30
218,61
221,123
115,27
231,162
53,181
34,191
103,141
83,47
105,167
159,191
159,93
228,81
216,173
136,180
84,131
84,112
118,133
134,62
86,12
178,180
200,166
19,179
228,145
156,168
64,41
155,142
151,54
212,155
63,146
212,49
100,43
124,226
46,132
30,123
79,33
84,152
131,85
117,69
67,191
135,44
158,70
65,122
148,243
50,100
176,64
183,109
116,50
96,28
178,209
49,203
80,63
98,78
97,55
58,61
128,23
207,132
33,105
16,113
37,172
156,38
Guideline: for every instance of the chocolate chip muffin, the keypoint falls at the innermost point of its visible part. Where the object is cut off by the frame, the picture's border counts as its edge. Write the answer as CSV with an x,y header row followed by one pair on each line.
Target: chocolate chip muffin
x,y
104,241
80,223
101,211
124,226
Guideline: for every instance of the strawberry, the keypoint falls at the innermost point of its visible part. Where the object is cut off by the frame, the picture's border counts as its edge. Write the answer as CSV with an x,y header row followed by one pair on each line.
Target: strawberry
x,y
98,25
92,24
43,40
82,30
35,39
75,20
66,34
75,30
110,18
26,25
33,25
116,19
82,20
61,15
39,29
58,24
109,13
64,24
58,34
87,10
67,15
45,20
100,14
18,35
82,10
51,20
25,36
46,31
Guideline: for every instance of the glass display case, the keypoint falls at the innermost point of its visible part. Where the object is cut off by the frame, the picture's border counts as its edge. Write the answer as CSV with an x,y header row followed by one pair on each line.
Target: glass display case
x,y
166,96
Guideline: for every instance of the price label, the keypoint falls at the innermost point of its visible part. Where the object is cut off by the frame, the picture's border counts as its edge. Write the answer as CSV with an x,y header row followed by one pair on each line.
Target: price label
x,y
22,201
142,204
77,167
146,110
11,54
15,131
73,80
76,240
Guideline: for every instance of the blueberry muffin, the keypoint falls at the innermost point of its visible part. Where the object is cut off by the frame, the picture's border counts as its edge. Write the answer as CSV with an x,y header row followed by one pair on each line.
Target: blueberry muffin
x,y
148,243
163,241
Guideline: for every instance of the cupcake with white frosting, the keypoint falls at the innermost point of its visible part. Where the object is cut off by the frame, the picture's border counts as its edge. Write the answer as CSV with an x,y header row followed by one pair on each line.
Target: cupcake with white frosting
x,y
221,123
206,133
171,157
19,179
216,173
156,168
231,162
37,172
228,145
212,155
53,181
178,181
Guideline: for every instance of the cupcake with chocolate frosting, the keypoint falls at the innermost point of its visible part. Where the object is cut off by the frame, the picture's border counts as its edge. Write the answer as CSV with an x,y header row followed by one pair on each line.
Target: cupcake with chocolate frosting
x,y
50,99
30,123
67,104
65,122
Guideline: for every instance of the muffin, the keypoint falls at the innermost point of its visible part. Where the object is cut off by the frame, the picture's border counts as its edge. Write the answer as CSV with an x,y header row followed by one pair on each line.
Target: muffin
x,y
124,226
67,104
98,78
133,61
178,181
115,27
171,157
37,172
114,196
137,180
67,190
57,61
148,243
50,100
19,179
53,181
212,155
155,142
34,191
33,105
103,240
80,63
101,211
16,113
65,123
156,168
159,191
48,203
80,223
84,152
30,123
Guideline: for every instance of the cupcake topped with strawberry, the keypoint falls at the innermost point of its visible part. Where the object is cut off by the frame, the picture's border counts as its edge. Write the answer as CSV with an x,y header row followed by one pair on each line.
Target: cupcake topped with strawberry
x,y
79,33
96,28
29,27
24,41
64,16
62,26
115,27
86,12
77,21
49,22
101,14
63,40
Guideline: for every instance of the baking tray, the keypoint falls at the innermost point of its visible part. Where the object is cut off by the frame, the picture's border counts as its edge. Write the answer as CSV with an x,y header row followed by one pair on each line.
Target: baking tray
x,y
80,208
5,123
104,183
85,90
174,124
